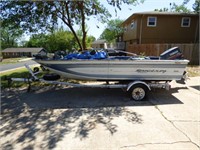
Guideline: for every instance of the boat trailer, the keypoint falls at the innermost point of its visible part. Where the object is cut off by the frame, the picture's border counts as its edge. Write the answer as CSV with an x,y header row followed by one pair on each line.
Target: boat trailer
x,y
138,90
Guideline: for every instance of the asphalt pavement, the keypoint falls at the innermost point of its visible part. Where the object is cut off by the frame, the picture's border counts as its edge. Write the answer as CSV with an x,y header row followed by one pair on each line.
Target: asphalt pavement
x,y
7,67
63,118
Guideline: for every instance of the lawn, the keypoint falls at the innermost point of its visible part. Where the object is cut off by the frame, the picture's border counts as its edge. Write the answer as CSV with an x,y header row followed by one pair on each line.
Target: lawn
x,y
18,73
193,71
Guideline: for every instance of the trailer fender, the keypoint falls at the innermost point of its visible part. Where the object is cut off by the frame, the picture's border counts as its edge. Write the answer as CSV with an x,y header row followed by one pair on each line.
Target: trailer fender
x,y
137,82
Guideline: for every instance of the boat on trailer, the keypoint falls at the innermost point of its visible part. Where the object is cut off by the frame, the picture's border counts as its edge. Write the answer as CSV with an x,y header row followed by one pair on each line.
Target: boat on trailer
x,y
134,73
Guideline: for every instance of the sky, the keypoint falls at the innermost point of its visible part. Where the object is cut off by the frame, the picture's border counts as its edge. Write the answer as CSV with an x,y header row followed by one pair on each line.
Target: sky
x,y
127,10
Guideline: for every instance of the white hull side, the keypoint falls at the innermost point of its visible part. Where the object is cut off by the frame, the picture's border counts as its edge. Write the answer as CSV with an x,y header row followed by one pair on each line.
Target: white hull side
x,y
118,69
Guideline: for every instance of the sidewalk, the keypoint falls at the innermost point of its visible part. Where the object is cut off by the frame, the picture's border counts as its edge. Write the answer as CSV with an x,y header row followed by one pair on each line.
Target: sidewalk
x,y
25,59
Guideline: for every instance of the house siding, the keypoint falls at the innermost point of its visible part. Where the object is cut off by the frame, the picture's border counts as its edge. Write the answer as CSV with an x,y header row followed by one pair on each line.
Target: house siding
x,y
131,33
168,29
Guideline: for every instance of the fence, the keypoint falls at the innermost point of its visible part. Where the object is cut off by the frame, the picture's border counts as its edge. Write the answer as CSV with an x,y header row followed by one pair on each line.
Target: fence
x,y
190,51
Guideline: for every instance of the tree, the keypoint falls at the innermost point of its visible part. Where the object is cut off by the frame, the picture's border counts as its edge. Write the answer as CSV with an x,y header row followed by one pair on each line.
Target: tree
x,y
196,6
59,39
180,8
176,8
37,40
10,36
89,41
112,30
44,15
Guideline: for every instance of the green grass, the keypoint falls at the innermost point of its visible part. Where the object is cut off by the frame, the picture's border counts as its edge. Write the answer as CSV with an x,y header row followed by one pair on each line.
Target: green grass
x,y
18,73
8,73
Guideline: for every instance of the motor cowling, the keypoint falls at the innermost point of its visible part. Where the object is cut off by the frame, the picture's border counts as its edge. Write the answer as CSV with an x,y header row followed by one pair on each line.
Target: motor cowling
x,y
172,54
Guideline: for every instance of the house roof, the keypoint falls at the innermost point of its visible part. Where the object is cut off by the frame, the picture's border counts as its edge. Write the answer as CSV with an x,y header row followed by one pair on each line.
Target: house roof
x,y
33,50
157,13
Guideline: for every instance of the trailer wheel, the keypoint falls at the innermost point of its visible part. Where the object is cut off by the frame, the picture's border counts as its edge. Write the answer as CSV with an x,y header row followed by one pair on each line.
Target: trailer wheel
x,y
138,92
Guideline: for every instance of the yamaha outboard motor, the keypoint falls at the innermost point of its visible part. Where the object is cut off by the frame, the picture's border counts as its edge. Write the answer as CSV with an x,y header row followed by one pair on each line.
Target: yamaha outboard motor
x,y
172,53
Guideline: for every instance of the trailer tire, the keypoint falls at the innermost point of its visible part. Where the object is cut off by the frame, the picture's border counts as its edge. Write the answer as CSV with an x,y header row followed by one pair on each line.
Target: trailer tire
x,y
138,92
51,77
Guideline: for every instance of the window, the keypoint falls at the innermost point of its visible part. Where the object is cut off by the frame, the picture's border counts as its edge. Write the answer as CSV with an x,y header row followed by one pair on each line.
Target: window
x,y
185,22
133,25
151,21
125,29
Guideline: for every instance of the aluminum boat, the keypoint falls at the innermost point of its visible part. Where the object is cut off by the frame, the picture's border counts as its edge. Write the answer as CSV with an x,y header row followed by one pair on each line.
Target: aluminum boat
x,y
168,66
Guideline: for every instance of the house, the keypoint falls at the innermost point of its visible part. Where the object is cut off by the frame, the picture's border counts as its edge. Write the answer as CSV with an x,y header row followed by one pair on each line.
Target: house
x,y
98,44
160,27
101,44
20,52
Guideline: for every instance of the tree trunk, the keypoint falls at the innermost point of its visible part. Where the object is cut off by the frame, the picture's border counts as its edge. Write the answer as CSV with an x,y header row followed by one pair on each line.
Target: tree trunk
x,y
83,26
76,37
68,23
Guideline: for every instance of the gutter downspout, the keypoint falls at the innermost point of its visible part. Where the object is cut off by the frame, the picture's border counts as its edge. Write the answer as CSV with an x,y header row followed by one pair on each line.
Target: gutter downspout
x,y
141,23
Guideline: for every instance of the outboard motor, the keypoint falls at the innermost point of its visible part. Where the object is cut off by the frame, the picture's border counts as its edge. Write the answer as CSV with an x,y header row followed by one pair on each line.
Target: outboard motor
x,y
172,53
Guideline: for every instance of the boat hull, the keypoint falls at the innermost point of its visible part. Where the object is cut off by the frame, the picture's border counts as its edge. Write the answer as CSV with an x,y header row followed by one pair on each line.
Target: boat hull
x,y
154,70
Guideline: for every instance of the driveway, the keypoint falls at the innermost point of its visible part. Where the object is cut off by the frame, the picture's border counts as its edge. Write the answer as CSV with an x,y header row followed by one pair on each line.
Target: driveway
x,y
101,119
